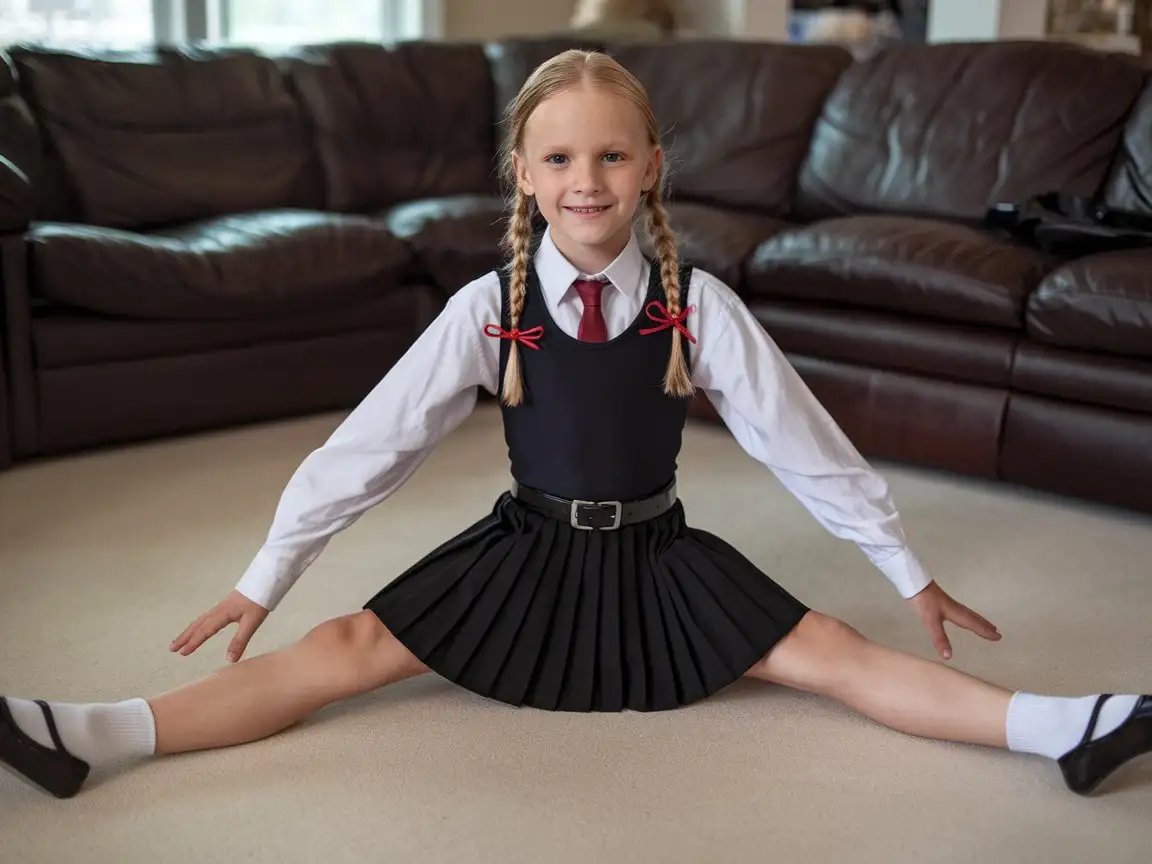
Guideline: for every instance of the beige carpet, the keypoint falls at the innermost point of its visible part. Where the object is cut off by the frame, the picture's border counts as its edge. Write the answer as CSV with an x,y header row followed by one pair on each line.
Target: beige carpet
x,y
104,558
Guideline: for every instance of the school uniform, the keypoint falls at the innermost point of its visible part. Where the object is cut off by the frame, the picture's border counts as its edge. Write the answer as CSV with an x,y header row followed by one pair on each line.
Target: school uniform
x,y
617,602
585,588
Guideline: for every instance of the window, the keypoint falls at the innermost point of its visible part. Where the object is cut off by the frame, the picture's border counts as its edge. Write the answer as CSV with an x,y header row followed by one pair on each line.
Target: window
x,y
295,22
113,23
273,23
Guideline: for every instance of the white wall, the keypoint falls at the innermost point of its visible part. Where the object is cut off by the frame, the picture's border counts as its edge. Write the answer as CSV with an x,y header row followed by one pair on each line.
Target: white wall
x,y
473,20
741,19
979,20
491,19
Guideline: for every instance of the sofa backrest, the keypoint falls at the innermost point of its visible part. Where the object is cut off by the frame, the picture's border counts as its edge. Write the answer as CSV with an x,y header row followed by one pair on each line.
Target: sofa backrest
x,y
513,60
397,123
22,144
170,134
736,117
947,130
1130,186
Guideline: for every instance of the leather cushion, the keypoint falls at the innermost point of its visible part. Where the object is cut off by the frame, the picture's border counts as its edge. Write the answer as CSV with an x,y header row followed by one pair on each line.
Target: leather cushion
x,y
1130,186
716,240
885,340
1102,302
244,266
456,239
169,134
911,418
1099,454
947,129
16,203
99,404
66,338
736,116
394,123
1095,379
912,265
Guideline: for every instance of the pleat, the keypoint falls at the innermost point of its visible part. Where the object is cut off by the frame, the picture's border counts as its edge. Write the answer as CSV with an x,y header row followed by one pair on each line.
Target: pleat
x,y
497,620
579,689
665,668
555,667
423,589
705,642
612,663
530,611
741,586
541,622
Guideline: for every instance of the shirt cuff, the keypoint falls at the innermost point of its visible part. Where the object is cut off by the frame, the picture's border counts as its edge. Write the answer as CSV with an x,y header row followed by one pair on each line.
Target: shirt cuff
x,y
265,582
905,572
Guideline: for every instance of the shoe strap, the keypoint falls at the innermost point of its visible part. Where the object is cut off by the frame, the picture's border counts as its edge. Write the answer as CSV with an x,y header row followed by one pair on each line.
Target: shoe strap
x,y
51,721
1104,697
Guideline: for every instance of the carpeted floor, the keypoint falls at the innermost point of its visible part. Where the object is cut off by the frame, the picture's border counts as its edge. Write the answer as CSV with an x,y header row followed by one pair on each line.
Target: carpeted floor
x,y
105,557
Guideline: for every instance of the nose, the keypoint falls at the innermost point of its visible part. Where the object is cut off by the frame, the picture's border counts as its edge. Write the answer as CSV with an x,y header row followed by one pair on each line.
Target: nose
x,y
588,179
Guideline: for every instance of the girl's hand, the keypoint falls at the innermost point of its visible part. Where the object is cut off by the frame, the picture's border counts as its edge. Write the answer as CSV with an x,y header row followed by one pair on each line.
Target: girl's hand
x,y
935,607
233,608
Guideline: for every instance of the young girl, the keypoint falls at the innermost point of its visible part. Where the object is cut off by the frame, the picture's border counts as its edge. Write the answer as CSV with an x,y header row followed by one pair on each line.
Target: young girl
x,y
584,589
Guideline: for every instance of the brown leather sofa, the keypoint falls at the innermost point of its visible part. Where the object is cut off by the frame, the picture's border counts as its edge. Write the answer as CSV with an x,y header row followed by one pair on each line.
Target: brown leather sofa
x,y
5,435
215,236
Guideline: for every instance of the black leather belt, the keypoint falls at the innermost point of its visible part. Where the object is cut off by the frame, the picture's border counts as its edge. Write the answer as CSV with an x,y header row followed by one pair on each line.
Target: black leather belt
x,y
597,515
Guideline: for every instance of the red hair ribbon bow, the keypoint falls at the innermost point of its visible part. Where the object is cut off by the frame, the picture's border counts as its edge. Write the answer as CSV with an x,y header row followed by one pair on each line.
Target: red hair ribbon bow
x,y
667,320
524,337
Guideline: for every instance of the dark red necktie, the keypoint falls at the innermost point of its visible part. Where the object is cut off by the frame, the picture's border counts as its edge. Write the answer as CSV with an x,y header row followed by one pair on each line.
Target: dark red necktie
x,y
592,326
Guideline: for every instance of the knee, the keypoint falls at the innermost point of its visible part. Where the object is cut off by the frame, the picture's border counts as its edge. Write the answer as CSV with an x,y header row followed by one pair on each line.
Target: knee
x,y
828,633
361,651
814,656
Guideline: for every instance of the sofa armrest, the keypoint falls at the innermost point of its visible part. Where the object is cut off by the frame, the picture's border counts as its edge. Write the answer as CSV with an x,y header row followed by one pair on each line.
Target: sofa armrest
x,y
5,428
16,204
16,321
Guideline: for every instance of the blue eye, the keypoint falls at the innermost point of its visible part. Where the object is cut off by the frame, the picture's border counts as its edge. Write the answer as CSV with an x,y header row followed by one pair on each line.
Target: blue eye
x,y
554,156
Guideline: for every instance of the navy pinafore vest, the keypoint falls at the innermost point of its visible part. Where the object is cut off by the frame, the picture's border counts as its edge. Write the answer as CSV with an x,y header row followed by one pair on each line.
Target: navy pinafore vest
x,y
595,423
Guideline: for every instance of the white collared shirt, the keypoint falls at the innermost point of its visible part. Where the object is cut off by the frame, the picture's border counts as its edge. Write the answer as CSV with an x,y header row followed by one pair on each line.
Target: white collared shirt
x,y
433,388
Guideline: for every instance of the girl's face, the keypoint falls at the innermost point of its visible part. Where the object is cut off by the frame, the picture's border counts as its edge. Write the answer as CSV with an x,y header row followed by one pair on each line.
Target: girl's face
x,y
586,158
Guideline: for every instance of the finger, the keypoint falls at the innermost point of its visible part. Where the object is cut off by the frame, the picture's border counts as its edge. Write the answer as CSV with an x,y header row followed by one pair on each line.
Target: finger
x,y
978,624
183,638
248,626
940,640
203,633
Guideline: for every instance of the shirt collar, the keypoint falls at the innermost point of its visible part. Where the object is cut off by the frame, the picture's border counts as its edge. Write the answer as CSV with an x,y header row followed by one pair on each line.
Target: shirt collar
x,y
557,273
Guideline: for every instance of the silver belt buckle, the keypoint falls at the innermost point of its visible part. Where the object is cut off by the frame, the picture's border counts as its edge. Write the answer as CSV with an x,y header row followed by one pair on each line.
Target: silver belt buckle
x,y
574,515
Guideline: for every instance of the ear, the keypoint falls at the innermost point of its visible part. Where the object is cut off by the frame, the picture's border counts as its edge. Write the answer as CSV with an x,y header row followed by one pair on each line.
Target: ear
x,y
652,170
522,178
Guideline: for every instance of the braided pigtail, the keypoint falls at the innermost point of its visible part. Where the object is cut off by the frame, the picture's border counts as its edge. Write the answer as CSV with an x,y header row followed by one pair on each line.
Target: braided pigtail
x,y
676,380
518,239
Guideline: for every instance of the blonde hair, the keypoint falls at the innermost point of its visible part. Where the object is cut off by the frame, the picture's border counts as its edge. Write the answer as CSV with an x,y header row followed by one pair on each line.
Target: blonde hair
x,y
561,73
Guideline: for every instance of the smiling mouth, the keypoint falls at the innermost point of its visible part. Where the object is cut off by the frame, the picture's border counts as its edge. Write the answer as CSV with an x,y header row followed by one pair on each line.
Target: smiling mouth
x,y
586,210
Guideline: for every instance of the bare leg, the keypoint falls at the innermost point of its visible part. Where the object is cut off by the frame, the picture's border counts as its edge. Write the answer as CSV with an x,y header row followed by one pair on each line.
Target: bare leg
x,y
920,697
264,695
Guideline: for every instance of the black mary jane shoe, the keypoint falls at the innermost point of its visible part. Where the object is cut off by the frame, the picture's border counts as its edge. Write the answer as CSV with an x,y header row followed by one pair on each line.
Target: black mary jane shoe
x,y
57,771
1091,762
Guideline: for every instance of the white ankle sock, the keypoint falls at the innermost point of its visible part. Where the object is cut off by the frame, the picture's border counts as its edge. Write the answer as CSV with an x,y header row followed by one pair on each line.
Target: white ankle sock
x,y
97,733
1051,726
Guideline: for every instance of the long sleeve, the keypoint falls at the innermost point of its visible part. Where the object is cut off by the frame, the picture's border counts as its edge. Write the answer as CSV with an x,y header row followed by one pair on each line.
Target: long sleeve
x,y
779,422
429,392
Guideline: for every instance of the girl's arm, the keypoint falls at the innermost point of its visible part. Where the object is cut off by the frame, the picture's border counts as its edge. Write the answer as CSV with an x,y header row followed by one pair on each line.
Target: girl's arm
x,y
430,391
779,422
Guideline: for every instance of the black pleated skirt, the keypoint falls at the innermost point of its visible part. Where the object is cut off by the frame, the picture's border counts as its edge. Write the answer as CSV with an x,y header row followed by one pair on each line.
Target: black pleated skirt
x,y
524,609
